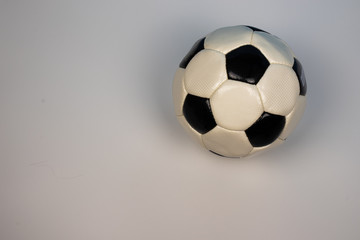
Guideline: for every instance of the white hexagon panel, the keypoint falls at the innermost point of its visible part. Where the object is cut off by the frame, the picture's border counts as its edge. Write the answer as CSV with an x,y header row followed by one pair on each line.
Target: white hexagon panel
x,y
279,94
245,101
227,143
239,90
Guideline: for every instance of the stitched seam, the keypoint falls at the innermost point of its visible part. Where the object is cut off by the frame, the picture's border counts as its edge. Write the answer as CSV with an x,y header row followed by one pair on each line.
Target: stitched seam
x,y
210,49
251,43
286,119
262,103
217,88
252,35
282,63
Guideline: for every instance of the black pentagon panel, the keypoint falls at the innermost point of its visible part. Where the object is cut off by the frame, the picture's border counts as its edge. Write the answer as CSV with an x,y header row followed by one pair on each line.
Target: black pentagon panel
x,y
246,64
266,129
197,112
256,29
301,76
197,47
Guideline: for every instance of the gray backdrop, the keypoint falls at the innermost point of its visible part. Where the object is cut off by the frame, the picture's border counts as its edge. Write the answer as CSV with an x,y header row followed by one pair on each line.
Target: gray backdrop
x,y
90,147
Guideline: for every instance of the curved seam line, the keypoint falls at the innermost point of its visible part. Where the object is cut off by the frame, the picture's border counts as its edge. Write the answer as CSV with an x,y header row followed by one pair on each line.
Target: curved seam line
x,y
205,48
212,112
281,63
262,103
210,49
218,88
230,130
286,118
251,43
250,150
186,92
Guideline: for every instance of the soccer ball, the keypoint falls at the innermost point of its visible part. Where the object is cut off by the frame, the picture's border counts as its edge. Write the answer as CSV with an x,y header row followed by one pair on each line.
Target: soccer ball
x,y
239,90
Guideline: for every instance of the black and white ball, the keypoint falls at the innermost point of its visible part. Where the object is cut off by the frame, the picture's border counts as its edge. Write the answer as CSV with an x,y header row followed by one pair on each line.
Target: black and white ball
x,y
239,90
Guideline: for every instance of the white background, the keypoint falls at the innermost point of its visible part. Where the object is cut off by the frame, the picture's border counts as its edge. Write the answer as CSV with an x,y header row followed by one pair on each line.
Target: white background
x,y
90,147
